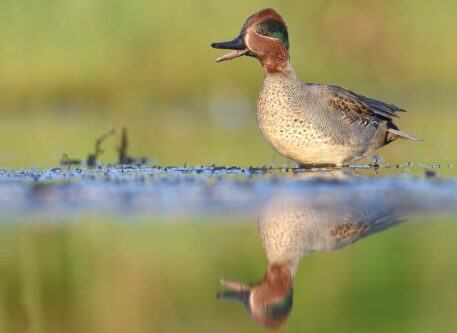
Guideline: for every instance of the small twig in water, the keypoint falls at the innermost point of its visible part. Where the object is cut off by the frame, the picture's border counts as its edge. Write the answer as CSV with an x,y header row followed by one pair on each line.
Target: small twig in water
x,y
124,158
92,158
122,150
65,161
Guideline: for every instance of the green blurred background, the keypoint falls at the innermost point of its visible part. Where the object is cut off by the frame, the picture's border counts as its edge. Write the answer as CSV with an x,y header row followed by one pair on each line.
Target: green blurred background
x,y
72,69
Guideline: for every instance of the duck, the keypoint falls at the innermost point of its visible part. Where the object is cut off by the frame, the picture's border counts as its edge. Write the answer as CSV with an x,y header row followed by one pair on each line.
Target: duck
x,y
309,123
291,228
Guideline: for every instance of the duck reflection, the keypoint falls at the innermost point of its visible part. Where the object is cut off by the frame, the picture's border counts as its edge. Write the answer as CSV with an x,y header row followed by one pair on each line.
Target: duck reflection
x,y
291,228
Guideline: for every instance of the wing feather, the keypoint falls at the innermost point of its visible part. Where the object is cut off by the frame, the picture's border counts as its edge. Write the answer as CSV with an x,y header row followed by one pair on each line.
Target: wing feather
x,y
359,109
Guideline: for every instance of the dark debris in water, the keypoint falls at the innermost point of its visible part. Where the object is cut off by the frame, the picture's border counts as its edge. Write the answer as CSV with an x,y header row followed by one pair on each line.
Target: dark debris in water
x,y
92,160
68,162
132,171
124,158
93,157
173,191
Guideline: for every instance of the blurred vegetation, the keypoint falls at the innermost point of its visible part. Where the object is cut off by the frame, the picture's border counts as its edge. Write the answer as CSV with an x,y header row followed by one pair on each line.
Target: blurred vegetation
x,y
71,69
108,276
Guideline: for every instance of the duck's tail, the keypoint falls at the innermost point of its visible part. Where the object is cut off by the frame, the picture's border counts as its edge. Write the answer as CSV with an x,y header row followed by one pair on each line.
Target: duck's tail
x,y
394,133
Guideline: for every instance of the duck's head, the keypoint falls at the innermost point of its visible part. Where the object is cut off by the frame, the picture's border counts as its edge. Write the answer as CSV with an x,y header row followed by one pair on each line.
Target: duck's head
x,y
263,36
268,302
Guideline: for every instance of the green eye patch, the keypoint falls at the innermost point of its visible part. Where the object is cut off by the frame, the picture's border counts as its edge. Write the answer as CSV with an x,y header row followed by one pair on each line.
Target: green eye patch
x,y
273,29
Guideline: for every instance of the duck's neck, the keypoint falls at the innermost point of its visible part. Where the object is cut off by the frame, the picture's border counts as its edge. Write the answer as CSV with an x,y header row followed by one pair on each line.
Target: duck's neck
x,y
275,59
285,70
279,276
292,267
289,264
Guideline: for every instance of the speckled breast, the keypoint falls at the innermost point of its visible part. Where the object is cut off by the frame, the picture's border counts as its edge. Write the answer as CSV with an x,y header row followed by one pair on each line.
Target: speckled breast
x,y
293,121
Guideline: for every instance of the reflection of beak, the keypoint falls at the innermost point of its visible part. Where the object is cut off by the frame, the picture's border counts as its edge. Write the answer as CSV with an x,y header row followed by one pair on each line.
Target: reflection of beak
x,y
237,45
239,292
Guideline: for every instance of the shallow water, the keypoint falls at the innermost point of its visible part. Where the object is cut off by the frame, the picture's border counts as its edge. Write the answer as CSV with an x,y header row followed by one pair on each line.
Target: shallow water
x,y
130,249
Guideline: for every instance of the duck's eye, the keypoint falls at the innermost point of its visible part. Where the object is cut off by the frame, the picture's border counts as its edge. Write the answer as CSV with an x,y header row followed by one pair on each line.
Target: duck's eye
x,y
273,29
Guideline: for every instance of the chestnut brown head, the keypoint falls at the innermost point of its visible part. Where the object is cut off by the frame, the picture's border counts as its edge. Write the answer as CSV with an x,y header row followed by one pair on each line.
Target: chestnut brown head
x,y
263,36
268,302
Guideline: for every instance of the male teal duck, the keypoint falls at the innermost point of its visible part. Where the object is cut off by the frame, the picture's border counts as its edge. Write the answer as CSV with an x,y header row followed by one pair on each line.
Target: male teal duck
x,y
306,122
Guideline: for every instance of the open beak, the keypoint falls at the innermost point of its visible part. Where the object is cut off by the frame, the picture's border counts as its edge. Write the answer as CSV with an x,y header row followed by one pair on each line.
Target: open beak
x,y
237,45
239,292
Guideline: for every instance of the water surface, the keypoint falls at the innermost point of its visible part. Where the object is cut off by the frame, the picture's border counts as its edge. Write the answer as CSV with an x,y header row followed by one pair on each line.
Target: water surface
x,y
145,249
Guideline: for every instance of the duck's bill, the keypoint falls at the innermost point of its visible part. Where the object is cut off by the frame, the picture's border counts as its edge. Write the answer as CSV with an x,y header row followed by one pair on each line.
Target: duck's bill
x,y
241,296
232,55
237,45
234,285
238,291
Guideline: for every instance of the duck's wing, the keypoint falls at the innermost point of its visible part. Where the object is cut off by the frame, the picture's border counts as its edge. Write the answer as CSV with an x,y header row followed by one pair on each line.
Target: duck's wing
x,y
365,111
356,108
361,225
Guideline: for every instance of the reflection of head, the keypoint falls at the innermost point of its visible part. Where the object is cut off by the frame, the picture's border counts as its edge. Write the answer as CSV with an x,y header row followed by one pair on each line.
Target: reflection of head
x,y
268,302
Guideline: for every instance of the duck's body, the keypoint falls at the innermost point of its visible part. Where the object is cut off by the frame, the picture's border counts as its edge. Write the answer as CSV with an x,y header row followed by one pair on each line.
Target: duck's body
x,y
299,121
309,123
291,228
